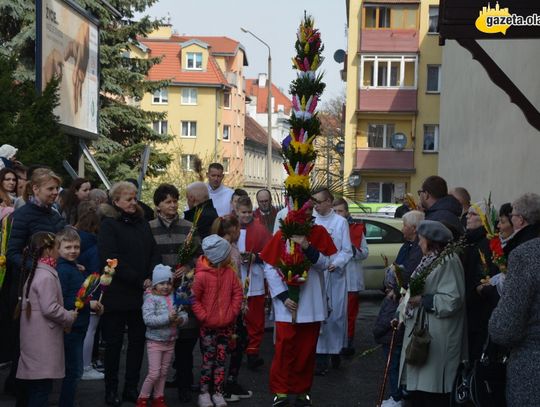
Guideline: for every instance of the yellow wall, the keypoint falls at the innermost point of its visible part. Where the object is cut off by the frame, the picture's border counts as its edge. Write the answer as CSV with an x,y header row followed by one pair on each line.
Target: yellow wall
x,y
411,125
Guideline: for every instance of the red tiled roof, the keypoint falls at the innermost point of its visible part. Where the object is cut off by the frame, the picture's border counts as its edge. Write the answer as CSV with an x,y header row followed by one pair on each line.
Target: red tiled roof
x,y
256,133
170,67
219,45
252,89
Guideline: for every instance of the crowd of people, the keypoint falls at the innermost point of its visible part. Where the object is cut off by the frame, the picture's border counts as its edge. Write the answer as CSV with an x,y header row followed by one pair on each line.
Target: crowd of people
x,y
205,276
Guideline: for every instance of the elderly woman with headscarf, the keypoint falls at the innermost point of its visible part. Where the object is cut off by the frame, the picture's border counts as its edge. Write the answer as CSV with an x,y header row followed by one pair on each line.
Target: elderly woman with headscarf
x,y
436,290
7,156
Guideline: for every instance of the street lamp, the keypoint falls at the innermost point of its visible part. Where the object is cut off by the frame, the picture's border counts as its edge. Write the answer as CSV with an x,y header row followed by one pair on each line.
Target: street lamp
x,y
269,84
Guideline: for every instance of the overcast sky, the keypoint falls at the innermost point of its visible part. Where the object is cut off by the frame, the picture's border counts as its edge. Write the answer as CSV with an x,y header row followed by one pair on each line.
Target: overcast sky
x,y
275,22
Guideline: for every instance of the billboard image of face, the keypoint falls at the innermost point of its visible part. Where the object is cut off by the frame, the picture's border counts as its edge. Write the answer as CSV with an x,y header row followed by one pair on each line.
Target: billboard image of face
x,y
69,49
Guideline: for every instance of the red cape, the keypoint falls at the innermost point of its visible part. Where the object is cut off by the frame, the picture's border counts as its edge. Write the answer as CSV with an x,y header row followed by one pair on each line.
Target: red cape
x,y
318,238
357,231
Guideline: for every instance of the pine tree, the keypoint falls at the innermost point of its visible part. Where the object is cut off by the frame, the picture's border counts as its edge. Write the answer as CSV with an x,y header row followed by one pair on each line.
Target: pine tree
x,y
124,128
27,121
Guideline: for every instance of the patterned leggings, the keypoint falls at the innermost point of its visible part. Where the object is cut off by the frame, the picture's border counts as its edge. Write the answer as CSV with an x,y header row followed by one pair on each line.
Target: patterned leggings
x,y
214,344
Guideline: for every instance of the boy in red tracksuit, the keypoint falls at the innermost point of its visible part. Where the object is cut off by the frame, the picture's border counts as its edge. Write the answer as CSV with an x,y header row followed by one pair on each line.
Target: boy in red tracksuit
x,y
217,301
253,237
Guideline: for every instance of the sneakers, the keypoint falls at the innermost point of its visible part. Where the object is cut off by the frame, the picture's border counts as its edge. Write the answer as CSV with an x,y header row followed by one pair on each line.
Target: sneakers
x,y
229,397
236,389
218,400
89,373
280,401
390,402
303,400
205,400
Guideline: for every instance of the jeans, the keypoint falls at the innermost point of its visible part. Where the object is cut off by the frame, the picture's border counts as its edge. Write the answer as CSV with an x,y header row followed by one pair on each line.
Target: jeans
x,y
113,324
38,392
393,374
73,354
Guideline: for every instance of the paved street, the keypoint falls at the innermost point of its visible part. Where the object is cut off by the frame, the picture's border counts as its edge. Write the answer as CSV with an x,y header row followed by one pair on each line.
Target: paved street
x,y
355,384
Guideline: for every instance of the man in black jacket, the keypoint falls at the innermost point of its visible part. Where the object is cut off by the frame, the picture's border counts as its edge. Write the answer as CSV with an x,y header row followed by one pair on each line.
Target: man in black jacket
x,y
197,197
439,205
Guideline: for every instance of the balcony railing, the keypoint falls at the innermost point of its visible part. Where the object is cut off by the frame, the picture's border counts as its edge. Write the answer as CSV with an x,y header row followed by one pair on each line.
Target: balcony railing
x,y
387,100
390,40
384,159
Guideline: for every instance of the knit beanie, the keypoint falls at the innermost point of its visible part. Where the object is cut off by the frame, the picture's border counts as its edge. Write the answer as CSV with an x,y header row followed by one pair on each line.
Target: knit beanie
x,y
161,274
216,249
7,151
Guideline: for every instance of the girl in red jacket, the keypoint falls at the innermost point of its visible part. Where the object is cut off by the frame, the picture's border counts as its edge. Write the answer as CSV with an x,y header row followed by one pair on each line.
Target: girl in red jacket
x,y
217,301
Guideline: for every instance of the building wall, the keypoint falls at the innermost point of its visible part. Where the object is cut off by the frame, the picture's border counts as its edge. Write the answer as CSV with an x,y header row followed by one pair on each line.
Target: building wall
x,y
412,124
497,149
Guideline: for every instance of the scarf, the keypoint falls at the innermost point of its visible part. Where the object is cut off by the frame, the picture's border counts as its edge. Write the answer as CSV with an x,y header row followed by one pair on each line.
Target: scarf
x,y
49,261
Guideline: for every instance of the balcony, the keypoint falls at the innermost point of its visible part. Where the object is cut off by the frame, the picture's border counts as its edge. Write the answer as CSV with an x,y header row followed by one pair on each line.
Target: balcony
x,y
389,40
387,100
385,159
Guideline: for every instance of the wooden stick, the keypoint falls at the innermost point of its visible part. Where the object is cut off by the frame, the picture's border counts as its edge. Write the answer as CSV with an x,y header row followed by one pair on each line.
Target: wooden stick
x,y
387,367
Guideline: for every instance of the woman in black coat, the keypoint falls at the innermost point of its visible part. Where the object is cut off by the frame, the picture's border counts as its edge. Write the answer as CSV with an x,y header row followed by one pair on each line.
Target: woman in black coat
x,y
125,235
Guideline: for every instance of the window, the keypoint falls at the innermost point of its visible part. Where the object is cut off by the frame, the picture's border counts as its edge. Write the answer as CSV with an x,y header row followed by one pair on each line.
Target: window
x,y
161,96
160,126
187,161
380,192
433,19
398,17
378,232
377,17
194,60
389,71
189,96
431,137
227,100
225,164
434,78
379,135
189,129
226,132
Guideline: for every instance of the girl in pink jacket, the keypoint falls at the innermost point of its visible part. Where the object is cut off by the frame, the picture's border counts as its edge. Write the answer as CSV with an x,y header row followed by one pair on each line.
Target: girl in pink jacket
x,y
43,320
217,300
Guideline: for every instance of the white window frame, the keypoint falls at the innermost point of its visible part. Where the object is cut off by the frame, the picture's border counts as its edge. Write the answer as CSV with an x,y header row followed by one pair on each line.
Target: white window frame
x,y
386,135
228,138
438,78
189,96
227,106
429,20
160,97
388,59
191,61
189,160
226,165
436,138
189,128
158,126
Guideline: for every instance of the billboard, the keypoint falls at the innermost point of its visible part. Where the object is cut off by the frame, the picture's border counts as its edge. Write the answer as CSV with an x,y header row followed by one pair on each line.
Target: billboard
x,y
68,47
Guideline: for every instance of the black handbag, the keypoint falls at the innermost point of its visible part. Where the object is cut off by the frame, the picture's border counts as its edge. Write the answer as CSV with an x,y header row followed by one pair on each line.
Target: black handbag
x,y
481,383
417,351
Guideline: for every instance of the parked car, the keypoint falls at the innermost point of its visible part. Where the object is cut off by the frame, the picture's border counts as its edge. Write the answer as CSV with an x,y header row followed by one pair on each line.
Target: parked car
x,y
384,238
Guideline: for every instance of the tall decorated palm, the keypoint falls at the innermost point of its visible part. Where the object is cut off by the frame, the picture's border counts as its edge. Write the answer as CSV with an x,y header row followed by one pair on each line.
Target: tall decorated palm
x,y
299,154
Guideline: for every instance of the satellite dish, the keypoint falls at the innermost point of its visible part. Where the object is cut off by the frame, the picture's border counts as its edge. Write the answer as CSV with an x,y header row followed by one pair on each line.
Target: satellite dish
x,y
339,56
355,180
398,141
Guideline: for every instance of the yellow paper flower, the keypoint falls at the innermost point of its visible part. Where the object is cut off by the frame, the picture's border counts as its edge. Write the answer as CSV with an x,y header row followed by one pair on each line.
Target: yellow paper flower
x,y
303,148
2,261
297,181
79,304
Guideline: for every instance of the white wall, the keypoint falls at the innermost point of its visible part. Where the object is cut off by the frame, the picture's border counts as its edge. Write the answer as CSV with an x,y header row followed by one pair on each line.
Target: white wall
x,y
486,143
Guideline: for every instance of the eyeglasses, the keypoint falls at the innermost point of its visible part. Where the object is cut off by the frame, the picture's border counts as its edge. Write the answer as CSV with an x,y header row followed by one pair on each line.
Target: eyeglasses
x,y
317,202
420,191
514,214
